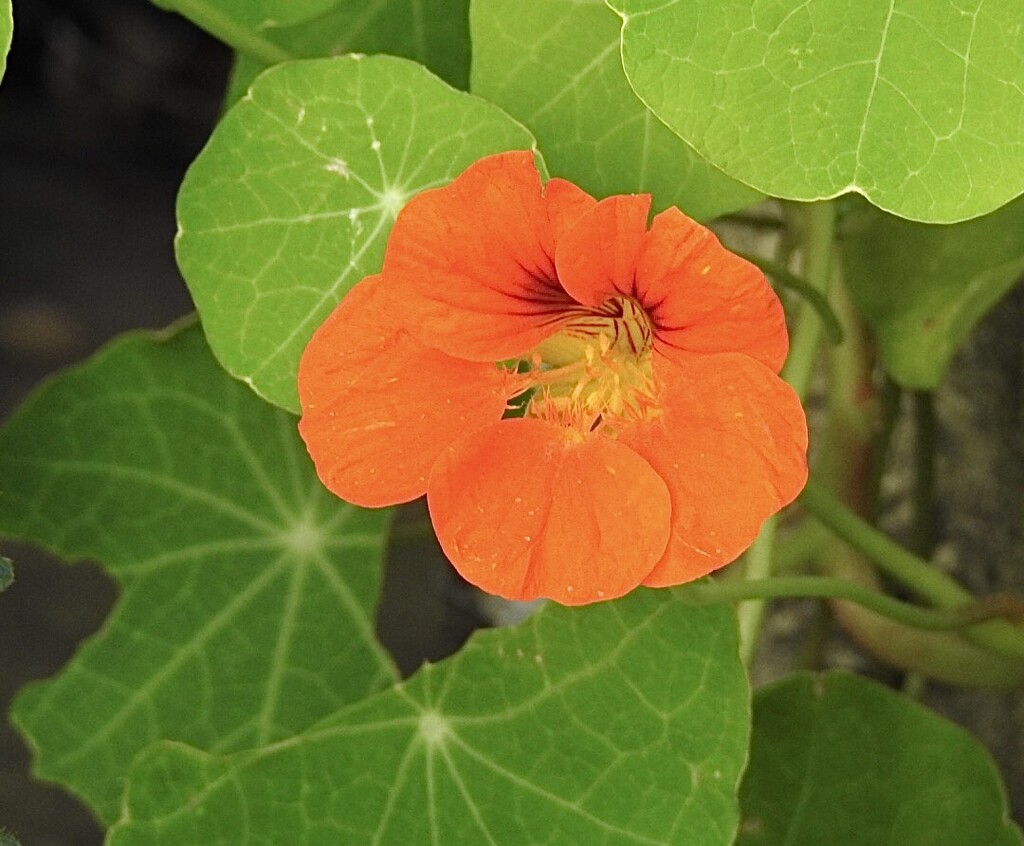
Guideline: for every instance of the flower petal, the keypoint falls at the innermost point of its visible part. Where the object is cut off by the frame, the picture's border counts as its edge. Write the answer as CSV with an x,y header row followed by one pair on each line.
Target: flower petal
x,y
379,407
524,511
596,258
472,262
702,298
565,203
732,449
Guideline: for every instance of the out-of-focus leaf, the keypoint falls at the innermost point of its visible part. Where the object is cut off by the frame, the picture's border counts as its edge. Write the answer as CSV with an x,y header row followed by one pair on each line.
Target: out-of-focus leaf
x,y
247,590
434,33
924,288
254,15
557,68
840,759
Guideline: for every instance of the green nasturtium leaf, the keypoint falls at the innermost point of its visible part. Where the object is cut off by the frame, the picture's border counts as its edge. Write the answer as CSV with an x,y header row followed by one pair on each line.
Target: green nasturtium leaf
x,y
557,68
923,288
918,105
6,31
622,723
292,200
247,591
253,15
840,759
434,33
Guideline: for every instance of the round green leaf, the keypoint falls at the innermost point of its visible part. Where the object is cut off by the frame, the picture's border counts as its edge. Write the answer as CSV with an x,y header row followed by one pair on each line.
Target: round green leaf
x,y
924,288
622,724
247,591
292,200
255,15
917,105
558,70
840,759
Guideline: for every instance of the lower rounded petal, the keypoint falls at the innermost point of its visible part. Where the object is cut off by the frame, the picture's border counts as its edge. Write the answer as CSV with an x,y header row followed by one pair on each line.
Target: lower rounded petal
x,y
524,510
378,407
731,446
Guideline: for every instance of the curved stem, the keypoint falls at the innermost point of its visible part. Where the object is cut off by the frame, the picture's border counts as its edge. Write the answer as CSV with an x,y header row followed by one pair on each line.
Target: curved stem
x,y
924,473
814,298
823,587
224,28
819,235
758,569
817,270
908,569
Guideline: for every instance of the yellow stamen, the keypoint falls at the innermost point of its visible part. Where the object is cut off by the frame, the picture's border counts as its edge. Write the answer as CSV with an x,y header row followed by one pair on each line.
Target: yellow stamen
x,y
595,374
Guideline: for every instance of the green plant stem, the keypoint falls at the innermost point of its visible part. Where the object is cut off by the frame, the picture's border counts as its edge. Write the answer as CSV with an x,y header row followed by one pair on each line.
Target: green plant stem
x,y
924,473
823,587
820,232
889,396
799,547
908,569
812,296
222,27
750,615
819,229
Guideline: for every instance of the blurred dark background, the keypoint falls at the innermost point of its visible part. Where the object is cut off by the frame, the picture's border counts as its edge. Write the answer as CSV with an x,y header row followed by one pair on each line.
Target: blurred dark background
x,y
103,106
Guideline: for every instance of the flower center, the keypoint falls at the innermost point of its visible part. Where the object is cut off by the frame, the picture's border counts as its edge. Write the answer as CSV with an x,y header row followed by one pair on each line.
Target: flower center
x,y
595,374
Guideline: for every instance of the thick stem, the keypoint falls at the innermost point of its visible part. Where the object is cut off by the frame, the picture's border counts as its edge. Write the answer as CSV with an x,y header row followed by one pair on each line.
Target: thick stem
x,y
924,473
824,587
819,237
818,228
912,572
221,26
943,655
847,467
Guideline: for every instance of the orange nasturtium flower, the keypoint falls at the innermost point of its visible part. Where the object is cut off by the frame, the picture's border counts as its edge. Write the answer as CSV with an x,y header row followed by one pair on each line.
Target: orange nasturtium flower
x,y
656,437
